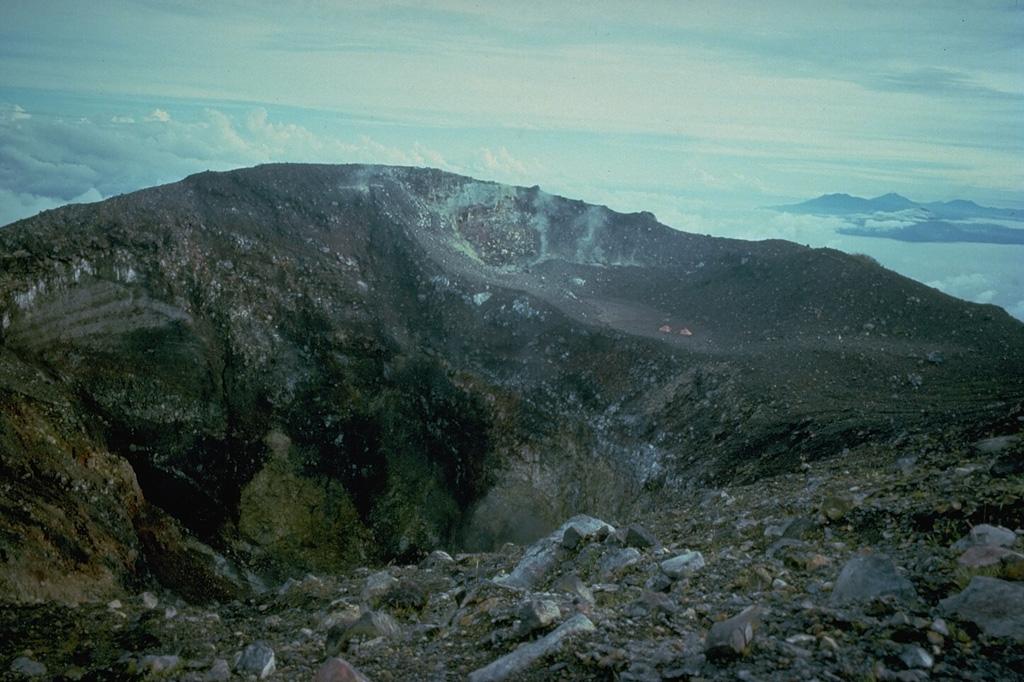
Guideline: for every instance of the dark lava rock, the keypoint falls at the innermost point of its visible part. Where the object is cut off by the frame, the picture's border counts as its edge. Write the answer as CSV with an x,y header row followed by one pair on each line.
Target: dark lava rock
x,y
638,536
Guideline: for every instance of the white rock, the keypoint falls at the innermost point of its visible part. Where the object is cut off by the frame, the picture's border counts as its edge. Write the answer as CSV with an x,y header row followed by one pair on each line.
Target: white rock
x,y
257,658
149,600
681,565
916,657
520,659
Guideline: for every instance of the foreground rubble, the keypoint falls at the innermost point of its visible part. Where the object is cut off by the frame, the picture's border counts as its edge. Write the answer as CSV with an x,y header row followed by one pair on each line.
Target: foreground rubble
x,y
895,565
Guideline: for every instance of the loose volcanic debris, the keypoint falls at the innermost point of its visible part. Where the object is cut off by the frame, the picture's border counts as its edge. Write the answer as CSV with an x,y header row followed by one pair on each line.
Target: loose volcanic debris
x,y
781,591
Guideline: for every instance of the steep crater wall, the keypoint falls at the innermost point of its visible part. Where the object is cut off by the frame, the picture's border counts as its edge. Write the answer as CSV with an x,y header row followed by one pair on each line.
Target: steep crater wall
x,y
316,367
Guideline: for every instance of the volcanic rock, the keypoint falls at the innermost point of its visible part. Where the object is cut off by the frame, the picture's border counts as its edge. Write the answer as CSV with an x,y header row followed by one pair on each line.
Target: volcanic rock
x,y
257,658
986,535
223,382
338,670
521,658
537,614
867,577
731,637
471,627
683,564
637,536
994,605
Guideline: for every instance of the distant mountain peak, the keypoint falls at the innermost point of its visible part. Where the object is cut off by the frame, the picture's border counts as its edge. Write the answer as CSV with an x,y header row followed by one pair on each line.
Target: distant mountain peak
x,y
842,204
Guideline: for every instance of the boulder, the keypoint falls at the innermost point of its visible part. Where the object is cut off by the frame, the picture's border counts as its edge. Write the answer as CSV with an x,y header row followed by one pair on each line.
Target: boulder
x,y
616,560
986,535
866,577
543,555
731,638
369,625
639,537
520,659
994,605
257,658
537,614
682,565
339,670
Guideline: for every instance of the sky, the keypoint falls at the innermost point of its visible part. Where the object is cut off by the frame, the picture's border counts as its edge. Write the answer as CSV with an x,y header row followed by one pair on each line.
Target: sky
x,y
700,111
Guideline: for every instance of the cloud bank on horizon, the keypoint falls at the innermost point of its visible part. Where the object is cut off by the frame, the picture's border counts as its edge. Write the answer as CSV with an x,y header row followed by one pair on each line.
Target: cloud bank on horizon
x,y
698,111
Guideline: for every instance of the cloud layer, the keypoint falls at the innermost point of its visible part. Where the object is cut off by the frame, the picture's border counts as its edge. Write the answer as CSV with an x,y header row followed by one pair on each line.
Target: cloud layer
x,y
788,99
48,161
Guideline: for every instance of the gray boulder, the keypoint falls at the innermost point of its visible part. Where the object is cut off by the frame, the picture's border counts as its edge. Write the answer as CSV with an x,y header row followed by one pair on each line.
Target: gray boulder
x,y
866,577
681,565
257,658
992,604
985,535
543,555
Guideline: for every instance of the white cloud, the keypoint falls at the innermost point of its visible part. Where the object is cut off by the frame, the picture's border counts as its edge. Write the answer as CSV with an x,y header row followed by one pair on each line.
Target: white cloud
x,y
46,162
970,286
10,113
1016,309
18,205
501,165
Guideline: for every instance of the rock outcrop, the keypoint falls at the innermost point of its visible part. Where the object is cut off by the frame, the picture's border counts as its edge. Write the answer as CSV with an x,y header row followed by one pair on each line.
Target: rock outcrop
x,y
317,367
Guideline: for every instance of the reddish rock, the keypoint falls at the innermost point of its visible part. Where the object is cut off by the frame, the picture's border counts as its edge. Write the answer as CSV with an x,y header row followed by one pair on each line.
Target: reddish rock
x,y
983,555
339,670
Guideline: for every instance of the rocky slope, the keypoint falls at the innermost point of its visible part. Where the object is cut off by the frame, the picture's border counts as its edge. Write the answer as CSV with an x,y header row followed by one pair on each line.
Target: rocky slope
x,y
219,384
878,566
